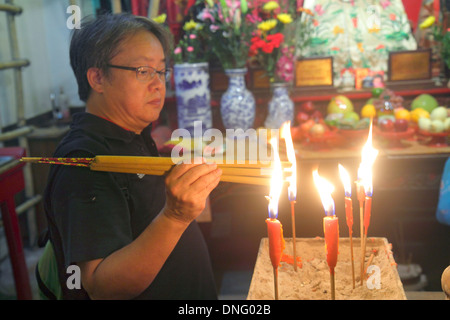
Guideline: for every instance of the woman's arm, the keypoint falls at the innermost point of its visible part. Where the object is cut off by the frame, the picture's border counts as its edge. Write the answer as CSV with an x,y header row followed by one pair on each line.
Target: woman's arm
x,y
128,271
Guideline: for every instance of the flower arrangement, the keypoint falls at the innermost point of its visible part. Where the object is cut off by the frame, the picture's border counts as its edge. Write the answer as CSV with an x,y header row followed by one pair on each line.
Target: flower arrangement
x,y
228,31
441,36
273,43
190,48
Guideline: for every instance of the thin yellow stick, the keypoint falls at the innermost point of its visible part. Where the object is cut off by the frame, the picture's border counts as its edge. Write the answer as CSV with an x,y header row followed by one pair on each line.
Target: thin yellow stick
x,y
172,161
353,262
275,282
333,287
237,171
293,235
361,217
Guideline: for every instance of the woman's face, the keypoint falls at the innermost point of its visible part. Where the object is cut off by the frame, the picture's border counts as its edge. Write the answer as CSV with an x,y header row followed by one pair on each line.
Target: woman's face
x,y
131,103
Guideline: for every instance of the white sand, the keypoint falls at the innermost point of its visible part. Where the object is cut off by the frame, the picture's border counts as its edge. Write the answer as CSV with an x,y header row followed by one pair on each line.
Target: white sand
x,y
312,279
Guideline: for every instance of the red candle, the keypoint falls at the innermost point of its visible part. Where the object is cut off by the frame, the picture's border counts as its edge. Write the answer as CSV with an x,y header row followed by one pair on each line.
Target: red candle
x,y
346,181
349,214
292,179
345,178
360,192
274,228
331,231
330,225
367,211
276,240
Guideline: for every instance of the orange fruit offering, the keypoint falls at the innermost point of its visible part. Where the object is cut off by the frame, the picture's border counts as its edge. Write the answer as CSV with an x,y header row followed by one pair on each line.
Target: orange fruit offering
x,y
418,113
402,113
368,111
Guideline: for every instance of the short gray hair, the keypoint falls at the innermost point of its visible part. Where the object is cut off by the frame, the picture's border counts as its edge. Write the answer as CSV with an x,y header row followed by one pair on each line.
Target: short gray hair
x,y
98,40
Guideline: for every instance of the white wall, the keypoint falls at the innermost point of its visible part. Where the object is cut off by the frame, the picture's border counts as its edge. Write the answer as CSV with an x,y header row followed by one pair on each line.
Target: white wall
x,y
44,40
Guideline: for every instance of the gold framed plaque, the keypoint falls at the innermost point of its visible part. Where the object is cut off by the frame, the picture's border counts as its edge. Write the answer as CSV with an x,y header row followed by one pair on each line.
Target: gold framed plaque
x,y
317,71
409,65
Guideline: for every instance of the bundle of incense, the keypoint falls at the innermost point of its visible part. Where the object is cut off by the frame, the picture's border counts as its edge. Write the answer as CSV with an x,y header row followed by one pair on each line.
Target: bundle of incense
x,y
247,172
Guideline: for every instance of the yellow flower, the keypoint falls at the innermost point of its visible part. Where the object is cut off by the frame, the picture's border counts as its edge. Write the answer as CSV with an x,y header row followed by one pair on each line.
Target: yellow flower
x,y
190,25
270,6
267,25
337,30
161,18
428,22
284,18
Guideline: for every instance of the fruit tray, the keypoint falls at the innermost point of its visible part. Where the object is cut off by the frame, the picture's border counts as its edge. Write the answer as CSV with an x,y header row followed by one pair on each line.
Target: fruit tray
x,y
434,139
393,139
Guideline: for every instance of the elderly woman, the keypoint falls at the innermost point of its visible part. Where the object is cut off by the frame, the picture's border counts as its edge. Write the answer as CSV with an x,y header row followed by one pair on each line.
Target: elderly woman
x,y
132,236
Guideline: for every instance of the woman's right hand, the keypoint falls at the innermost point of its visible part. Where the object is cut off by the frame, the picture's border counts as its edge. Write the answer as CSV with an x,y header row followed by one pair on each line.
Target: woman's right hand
x,y
188,186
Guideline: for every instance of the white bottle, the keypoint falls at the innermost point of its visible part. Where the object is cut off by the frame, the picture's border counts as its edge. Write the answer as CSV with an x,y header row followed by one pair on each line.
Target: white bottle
x,y
64,104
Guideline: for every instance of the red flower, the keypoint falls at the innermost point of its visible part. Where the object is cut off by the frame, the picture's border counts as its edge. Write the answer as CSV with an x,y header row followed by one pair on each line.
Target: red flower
x,y
256,44
276,39
268,47
273,41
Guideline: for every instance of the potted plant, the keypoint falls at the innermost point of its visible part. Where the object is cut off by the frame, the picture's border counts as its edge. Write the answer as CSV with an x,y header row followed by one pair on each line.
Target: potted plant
x,y
191,78
273,47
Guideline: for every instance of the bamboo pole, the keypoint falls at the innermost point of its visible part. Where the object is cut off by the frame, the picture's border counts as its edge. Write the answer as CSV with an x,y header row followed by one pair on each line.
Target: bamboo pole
x,y
10,8
19,132
14,64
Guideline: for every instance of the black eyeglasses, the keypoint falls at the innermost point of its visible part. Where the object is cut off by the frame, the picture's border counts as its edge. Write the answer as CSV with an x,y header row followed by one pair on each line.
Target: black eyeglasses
x,y
145,73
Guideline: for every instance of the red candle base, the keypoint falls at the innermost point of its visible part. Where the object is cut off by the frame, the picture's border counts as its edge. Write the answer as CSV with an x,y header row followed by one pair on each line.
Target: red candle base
x,y
276,241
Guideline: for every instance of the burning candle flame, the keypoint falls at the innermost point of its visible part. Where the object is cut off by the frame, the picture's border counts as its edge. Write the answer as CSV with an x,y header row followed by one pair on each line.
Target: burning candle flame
x,y
325,189
345,178
368,156
292,178
276,182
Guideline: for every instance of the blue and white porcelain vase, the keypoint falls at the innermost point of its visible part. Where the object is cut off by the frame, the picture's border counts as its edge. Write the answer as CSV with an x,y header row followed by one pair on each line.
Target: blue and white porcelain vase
x,y
237,105
192,89
281,107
